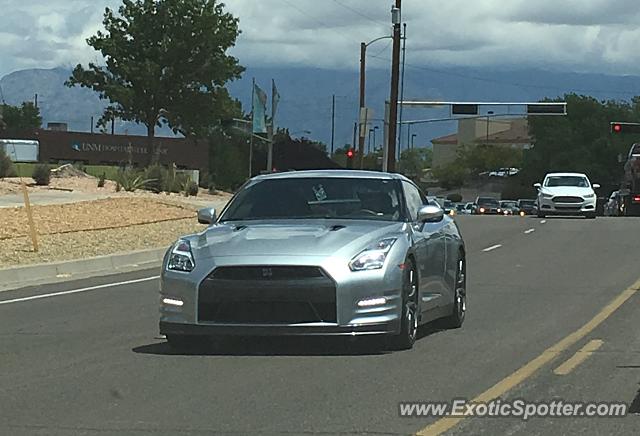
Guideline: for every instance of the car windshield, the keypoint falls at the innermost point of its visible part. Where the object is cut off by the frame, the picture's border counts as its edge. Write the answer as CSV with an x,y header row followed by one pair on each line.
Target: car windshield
x,y
556,181
488,202
527,202
307,198
508,203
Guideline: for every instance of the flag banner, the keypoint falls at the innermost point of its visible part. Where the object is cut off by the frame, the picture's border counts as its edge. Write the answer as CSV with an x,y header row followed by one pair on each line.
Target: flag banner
x,y
275,99
259,110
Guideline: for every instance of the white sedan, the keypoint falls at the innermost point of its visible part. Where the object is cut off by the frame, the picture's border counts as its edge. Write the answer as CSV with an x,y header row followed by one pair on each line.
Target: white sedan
x,y
566,194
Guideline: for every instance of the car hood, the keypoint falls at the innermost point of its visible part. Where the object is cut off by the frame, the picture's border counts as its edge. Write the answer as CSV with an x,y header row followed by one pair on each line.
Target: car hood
x,y
306,238
567,191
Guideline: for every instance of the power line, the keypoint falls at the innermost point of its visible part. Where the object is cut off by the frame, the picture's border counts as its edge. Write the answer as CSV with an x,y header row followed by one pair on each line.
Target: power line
x,y
506,83
357,12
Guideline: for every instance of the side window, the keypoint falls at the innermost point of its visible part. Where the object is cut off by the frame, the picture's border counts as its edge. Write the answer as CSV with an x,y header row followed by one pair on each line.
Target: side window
x,y
414,200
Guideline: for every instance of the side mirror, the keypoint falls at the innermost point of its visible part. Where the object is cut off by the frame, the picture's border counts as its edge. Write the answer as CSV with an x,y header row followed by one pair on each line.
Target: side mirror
x,y
207,215
430,213
537,185
596,186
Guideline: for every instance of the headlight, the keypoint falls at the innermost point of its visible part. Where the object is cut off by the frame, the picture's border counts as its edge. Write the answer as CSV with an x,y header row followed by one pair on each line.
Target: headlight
x,y
372,257
545,195
482,210
181,258
589,196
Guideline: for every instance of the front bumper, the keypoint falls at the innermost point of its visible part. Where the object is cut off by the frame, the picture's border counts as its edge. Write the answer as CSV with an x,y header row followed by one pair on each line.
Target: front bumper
x,y
548,206
242,302
320,329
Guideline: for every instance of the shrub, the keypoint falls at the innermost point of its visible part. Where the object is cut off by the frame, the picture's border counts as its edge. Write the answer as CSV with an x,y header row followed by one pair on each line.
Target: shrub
x,y
118,187
212,189
456,198
6,166
191,188
156,175
174,182
101,180
130,180
42,174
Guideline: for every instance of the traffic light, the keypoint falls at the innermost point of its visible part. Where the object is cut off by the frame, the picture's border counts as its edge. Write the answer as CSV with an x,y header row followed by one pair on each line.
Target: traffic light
x,y
621,127
464,109
350,155
554,108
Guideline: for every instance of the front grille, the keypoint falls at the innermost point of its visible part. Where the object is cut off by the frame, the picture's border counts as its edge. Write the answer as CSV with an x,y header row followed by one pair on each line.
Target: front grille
x,y
266,272
567,199
267,294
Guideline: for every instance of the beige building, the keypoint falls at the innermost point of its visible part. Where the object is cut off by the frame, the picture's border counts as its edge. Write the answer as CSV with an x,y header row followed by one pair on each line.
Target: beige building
x,y
512,132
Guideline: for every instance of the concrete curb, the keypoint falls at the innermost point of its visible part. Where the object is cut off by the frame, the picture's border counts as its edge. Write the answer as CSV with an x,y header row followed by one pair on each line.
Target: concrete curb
x,y
55,272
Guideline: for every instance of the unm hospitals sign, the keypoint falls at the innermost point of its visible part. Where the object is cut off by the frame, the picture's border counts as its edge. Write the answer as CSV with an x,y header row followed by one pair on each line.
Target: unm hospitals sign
x,y
125,150
94,149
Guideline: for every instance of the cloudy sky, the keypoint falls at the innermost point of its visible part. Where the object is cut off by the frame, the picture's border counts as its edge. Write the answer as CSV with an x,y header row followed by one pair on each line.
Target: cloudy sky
x,y
574,35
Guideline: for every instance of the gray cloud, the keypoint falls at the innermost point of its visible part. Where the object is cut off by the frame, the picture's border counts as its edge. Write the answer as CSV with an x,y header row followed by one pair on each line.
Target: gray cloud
x,y
594,35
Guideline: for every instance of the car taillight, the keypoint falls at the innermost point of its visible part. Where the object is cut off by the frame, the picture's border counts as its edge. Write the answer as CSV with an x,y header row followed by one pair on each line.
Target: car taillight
x,y
636,198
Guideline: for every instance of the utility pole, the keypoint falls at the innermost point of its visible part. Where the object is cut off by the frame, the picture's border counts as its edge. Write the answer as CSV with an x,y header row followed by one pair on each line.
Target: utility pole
x,y
36,101
113,125
395,79
404,57
363,59
91,124
333,121
355,134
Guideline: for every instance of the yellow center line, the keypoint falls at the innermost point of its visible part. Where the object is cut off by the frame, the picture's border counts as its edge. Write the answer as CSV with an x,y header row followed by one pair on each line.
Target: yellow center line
x,y
580,356
525,372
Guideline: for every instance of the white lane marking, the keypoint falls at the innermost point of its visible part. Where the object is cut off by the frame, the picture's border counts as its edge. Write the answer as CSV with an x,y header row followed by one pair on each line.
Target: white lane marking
x,y
543,221
526,232
493,247
76,291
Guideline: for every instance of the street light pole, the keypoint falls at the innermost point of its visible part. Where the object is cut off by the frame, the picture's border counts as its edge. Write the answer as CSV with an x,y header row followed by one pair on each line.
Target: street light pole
x,y
363,60
395,79
412,138
374,138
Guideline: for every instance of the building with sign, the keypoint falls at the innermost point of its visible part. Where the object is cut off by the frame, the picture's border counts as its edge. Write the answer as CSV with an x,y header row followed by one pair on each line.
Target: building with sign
x,y
512,132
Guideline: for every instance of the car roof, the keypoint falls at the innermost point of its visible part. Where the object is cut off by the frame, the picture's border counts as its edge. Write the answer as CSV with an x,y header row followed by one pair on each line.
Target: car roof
x,y
565,174
351,174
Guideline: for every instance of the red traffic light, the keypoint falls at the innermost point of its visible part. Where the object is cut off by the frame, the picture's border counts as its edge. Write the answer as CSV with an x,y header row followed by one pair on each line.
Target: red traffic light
x,y
617,128
350,153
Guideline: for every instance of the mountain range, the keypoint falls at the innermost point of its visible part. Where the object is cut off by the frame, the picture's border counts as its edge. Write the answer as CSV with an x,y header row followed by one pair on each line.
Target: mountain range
x,y
306,96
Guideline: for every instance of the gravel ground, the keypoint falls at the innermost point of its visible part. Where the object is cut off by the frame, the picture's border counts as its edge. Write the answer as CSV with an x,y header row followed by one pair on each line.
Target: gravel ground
x,y
80,245
126,221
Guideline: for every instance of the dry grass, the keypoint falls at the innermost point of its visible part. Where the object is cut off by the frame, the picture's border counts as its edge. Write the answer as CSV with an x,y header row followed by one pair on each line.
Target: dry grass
x,y
89,215
80,245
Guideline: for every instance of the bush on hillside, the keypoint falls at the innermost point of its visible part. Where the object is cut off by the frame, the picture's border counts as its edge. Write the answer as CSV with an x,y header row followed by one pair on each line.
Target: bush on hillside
x,y
6,166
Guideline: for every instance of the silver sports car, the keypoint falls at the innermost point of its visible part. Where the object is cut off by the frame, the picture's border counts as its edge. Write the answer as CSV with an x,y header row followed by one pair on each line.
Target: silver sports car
x,y
330,252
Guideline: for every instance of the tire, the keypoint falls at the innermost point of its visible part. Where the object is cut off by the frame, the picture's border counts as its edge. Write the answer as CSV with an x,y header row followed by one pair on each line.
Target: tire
x,y
456,319
409,322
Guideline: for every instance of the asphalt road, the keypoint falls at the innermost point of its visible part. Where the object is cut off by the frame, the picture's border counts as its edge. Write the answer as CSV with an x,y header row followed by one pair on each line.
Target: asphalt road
x,y
92,363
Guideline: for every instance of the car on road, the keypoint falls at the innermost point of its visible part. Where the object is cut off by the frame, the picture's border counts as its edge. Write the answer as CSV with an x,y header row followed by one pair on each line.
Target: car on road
x,y
487,206
566,194
331,252
527,207
469,208
614,206
509,207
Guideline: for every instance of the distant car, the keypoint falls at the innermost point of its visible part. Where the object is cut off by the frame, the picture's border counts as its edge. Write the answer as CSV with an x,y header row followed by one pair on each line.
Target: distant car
x,y
460,208
566,194
527,207
632,168
487,206
504,172
613,207
469,208
509,207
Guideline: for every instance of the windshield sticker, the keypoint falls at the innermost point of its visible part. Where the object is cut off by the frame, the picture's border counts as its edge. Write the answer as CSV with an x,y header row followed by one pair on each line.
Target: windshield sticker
x,y
319,193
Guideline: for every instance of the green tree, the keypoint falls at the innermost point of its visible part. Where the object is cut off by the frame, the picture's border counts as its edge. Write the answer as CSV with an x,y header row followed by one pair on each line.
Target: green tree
x,y
166,62
451,175
23,119
414,161
580,141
